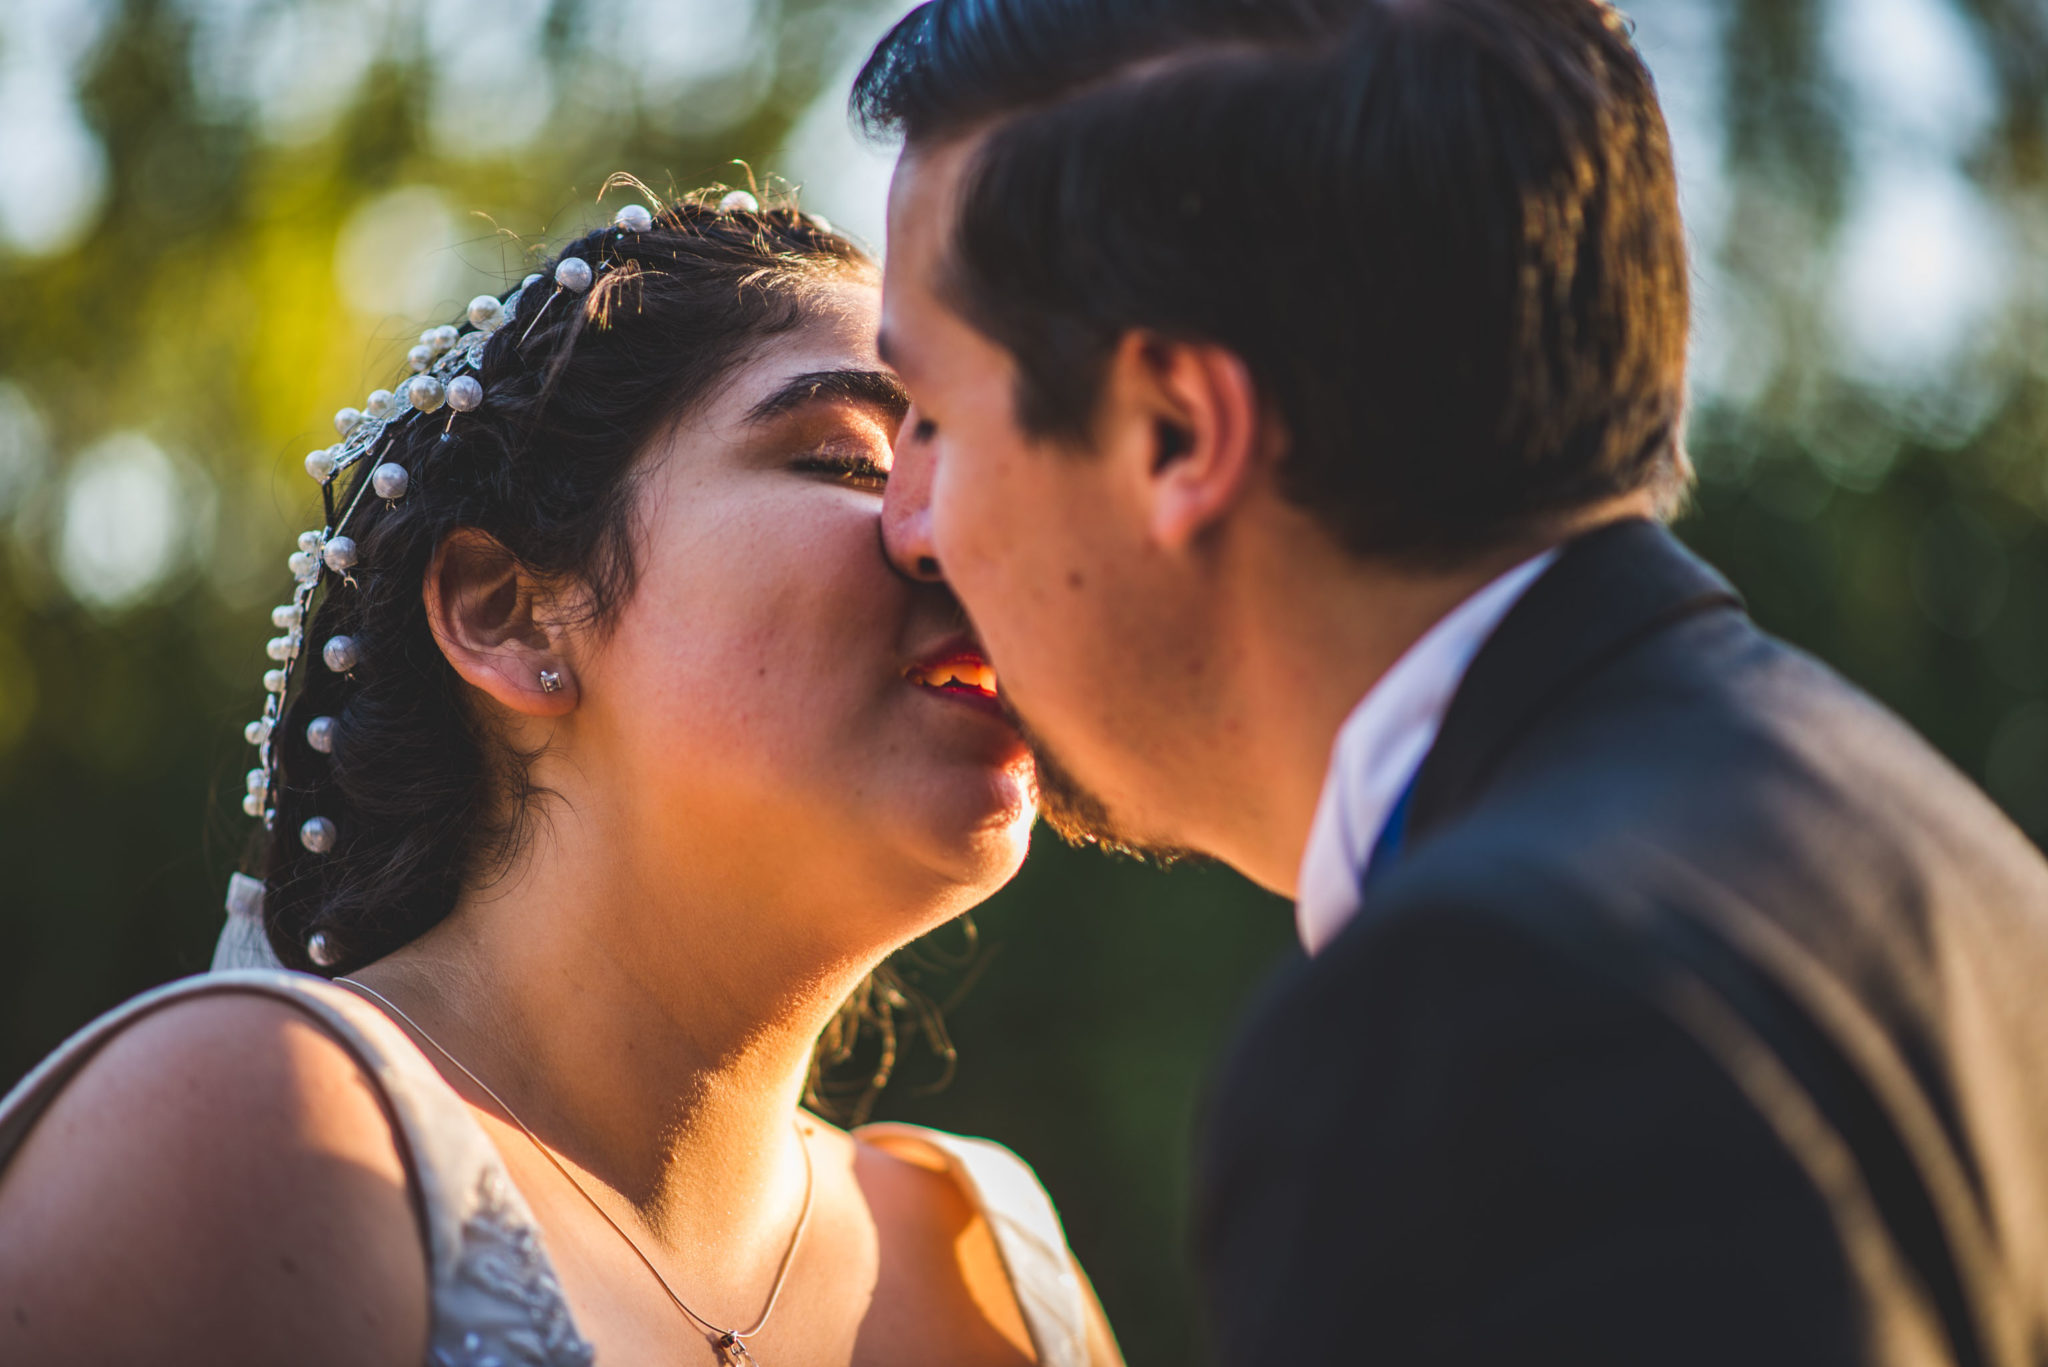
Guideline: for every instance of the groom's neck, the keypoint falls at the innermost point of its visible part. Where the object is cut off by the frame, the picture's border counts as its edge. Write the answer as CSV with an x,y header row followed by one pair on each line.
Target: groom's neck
x,y
1315,630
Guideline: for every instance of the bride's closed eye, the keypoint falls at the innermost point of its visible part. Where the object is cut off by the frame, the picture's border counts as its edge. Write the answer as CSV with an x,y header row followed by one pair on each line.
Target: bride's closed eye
x,y
860,470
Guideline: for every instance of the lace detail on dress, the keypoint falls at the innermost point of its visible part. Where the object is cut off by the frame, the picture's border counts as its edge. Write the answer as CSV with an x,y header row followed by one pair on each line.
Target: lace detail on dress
x,y
512,1312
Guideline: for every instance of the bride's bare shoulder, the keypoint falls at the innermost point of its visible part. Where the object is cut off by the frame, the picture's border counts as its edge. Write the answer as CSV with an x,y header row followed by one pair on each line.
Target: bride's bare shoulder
x,y
219,1184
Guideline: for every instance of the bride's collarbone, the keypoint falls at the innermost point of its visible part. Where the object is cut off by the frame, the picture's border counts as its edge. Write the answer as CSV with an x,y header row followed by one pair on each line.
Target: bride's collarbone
x,y
896,1269
233,1161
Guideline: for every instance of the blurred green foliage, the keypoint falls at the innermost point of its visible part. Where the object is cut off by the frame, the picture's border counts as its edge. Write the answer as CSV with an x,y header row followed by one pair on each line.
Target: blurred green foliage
x,y
1891,516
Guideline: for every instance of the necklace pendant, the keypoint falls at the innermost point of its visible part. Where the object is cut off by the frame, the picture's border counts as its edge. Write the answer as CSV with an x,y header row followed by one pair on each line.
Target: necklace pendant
x,y
734,1353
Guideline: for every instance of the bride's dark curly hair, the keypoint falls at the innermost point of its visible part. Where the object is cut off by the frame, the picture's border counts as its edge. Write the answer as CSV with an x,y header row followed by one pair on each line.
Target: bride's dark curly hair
x,y
424,800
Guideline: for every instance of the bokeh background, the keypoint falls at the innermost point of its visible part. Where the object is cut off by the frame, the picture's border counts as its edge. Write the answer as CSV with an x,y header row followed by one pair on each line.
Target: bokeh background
x,y
222,219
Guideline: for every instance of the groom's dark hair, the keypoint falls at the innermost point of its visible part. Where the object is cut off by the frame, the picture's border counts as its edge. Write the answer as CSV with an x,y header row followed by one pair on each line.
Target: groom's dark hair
x,y
1442,234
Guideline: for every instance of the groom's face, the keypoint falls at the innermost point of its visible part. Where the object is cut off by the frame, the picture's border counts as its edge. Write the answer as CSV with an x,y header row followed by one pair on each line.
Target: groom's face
x,y
1043,544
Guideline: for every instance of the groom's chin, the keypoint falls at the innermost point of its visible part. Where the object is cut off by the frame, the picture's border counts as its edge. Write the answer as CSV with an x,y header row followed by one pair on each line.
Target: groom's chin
x,y
1076,814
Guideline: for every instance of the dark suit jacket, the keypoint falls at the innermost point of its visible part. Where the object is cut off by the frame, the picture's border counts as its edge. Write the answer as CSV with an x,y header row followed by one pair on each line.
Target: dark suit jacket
x,y
1704,1019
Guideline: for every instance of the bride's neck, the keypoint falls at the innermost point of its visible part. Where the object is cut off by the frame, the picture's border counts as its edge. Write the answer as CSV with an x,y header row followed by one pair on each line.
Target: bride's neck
x,y
659,1046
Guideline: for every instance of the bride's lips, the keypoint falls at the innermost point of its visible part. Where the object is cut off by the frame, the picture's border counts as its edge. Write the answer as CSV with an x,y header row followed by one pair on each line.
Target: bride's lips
x,y
958,672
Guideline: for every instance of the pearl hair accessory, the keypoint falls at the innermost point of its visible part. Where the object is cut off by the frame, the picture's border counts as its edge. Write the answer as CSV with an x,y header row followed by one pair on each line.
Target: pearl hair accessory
x,y
340,554
389,481
634,218
425,393
574,274
739,202
341,654
442,363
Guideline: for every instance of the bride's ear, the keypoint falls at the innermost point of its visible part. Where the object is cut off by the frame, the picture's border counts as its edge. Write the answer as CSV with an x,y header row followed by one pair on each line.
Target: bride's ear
x,y
488,616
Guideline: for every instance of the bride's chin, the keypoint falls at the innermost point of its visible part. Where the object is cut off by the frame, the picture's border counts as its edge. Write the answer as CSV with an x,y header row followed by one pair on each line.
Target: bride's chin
x,y
981,831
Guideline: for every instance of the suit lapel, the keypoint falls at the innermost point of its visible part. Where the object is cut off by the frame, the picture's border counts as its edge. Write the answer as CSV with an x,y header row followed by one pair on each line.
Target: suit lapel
x,y
1608,590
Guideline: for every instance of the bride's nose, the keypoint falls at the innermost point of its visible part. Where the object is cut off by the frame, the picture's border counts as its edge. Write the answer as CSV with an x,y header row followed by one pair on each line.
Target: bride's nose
x,y
907,505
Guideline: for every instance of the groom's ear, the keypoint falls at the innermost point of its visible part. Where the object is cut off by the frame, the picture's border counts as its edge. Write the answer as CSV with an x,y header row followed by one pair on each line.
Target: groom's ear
x,y
490,618
1206,441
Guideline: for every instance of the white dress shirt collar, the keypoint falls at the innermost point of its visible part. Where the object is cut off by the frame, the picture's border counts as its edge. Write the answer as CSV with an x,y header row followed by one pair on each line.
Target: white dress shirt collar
x,y
1381,746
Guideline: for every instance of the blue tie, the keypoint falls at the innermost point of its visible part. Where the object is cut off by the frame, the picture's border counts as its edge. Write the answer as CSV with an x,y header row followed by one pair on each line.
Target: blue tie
x,y
1386,851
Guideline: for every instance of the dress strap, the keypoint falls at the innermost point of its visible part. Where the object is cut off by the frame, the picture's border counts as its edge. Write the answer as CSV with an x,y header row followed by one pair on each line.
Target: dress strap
x,y
495,1297
1027,1233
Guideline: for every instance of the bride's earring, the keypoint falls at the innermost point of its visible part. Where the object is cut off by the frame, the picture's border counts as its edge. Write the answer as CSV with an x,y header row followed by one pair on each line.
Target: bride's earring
x,y
550,682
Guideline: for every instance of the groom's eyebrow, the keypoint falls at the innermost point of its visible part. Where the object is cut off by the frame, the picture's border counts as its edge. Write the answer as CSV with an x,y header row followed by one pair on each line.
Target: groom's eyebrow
x,y
868,388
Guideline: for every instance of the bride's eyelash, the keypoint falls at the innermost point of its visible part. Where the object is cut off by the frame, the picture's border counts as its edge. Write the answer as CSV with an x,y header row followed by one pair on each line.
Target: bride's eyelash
x,y
852,469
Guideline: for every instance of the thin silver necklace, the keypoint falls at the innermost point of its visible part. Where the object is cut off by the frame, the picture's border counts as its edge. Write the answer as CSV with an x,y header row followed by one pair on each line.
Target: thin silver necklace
x,y
731,1344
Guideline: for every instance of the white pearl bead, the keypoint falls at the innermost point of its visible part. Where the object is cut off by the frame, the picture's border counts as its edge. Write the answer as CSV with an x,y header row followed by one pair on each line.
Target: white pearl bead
x,y
426,393
285,616
420,357
341,654
347,420
739,202
319,948
573,274
280,648
380,403
253,805
320,465
273,680
465,392
530,280
304,564
320,734
340,554
390,480
257,781
317,835
487,311
309,541
256,732
634,218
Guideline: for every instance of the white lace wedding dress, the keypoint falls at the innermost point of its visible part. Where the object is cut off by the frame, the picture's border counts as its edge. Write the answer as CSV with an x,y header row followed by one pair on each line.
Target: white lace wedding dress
x,y
495,1298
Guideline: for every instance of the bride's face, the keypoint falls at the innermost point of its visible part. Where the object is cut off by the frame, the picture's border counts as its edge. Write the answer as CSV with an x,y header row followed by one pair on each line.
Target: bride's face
x,y
769,718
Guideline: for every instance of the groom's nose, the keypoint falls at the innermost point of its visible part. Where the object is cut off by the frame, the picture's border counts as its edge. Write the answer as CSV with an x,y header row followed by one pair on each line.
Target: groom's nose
x,y
907,505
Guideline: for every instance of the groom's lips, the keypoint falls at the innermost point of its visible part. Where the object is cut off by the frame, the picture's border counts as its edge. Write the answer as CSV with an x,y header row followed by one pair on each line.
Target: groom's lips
x,y
959,672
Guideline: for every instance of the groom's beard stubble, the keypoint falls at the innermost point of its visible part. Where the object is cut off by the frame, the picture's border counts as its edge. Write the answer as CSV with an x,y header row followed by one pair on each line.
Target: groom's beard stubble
x,y
1074,812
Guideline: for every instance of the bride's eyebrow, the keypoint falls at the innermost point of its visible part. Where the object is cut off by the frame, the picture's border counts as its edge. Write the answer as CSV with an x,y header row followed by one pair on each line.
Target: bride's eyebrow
x,y
868,388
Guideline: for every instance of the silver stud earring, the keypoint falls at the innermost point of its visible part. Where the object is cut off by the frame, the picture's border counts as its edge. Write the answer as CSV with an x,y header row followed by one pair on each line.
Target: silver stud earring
x,y
550,682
